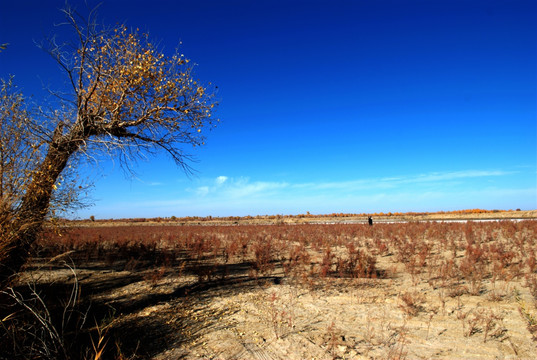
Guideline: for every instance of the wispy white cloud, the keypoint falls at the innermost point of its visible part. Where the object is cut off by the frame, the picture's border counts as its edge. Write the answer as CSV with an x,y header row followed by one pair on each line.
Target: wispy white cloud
x,y
396,181
443,176
242,187
150,183
225,195
202,191
245,188
221,179
224,187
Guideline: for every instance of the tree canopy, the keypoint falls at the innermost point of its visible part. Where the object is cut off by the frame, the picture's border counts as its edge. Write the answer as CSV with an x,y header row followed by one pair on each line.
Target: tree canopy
x,y
126,98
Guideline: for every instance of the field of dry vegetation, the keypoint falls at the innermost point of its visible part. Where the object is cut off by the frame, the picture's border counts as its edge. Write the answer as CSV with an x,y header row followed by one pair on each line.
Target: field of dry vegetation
x,y
416,290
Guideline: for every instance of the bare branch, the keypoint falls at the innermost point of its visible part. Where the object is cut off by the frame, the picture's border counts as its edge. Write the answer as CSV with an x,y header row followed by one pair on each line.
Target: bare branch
x,y
127,99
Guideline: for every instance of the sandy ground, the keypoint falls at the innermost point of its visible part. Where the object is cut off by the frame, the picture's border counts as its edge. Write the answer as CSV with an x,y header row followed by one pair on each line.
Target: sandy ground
x,y
359,319
276,318
168,313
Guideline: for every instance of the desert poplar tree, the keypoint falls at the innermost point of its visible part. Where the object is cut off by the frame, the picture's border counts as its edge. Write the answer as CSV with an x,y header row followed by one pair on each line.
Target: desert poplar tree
x,y
125,99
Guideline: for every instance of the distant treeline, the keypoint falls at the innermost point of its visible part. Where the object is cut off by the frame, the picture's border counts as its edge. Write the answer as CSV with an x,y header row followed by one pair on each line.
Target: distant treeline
x,y
299,216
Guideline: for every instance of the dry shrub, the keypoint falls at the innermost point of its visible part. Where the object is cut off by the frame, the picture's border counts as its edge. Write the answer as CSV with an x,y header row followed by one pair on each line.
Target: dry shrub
x,y
297,260
6,233
44,322
326,263
357,264
263,256
472,267
412,303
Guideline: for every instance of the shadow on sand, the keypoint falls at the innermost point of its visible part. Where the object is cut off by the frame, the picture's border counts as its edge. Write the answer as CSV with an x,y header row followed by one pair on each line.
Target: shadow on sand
x,y
128,309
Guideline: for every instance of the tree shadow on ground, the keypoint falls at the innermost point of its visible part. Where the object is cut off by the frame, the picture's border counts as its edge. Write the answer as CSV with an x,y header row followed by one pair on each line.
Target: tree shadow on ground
x,y
136,327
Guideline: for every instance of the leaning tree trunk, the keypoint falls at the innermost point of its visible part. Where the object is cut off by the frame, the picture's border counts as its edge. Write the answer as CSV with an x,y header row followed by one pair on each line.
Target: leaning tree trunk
x,y
27,222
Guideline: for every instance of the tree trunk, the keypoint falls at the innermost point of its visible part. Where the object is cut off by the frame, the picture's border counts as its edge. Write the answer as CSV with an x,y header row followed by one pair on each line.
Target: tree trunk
x,y
28,220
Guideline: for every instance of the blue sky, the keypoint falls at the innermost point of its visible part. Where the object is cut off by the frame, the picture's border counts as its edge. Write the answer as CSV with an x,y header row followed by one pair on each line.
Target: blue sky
x,y
325,106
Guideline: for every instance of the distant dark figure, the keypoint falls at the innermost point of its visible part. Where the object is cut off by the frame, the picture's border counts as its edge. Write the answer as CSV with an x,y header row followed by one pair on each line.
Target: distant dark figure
x,y
370,221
